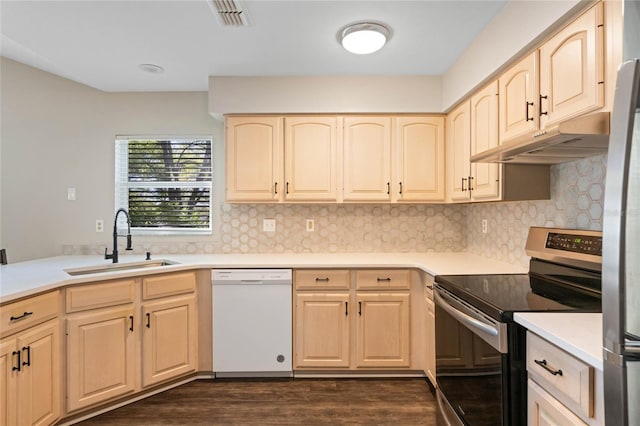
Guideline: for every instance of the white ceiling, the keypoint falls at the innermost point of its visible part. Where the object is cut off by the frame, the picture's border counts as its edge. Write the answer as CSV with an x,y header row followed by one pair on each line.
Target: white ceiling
x,y
101,43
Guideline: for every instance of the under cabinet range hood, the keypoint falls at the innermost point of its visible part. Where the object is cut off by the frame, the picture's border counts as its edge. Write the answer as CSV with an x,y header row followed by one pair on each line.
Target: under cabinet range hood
x,y
575,138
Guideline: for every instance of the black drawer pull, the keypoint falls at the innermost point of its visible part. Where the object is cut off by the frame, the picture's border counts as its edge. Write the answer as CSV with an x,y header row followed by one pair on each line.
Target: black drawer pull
x,y
384,279
326,279
24,315
28,361
544,365
18,366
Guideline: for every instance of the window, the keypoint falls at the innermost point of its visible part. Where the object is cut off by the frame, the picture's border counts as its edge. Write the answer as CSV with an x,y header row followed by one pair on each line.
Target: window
x,y
165,184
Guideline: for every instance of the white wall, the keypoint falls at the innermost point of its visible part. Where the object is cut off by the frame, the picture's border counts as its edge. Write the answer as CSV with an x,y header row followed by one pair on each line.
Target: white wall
x,y
516,29
337,94
58,134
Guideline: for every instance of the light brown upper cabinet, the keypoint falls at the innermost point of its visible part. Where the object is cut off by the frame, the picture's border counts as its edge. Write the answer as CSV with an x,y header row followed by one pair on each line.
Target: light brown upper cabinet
x,y
472,127
310,153
518,88
330,159
484,181
562,79
572,69
458,152
254,158
394,159
367,158
419,159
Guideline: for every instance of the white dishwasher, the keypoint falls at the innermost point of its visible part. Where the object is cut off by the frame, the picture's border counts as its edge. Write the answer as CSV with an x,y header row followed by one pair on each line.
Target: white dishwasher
x,y
252,326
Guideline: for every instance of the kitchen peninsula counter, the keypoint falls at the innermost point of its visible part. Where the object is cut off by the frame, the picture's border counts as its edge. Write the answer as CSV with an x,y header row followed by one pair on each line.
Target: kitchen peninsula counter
x,y
23,279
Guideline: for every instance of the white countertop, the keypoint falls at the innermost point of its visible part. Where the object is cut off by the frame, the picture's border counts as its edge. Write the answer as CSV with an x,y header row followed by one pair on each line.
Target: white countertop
x,y
26,278
580,334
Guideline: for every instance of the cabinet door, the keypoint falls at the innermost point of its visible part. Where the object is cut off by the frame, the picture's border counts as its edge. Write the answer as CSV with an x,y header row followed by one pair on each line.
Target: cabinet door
x,y
572,69
253,158
485,177
8,381
431,341
310,155
101,356
458,153
322,330
419,159
367,159
543,409
383,330
39,386
518,88
169,339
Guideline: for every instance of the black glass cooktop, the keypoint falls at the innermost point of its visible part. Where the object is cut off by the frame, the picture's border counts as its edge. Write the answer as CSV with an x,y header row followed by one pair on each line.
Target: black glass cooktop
x,y
500,296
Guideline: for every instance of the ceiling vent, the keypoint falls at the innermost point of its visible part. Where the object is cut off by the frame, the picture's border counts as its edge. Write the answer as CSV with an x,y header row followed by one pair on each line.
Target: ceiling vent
x,y
230,13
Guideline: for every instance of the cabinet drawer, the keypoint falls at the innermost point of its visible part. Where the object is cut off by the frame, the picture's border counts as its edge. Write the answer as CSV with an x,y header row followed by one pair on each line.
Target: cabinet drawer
x,y
377,279
319,279
92,296
566,377
168,285
17,316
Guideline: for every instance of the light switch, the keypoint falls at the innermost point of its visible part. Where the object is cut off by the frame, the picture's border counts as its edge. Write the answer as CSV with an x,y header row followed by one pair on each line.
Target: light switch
x,y
71,194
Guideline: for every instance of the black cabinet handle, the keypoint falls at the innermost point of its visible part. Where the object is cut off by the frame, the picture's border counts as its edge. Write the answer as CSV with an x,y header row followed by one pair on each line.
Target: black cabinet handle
x,y
384,279
287,188
527,105
24,315
148,320
463,181
400,187
388,188
18,366
543,112
470,183
130,322
346,308
544,365
326,279
275,188
360,308
28,361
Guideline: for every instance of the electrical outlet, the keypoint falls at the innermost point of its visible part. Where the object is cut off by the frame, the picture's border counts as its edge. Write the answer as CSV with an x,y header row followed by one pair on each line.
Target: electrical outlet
x,y
268,225
99,225
310,225
484,226
71,194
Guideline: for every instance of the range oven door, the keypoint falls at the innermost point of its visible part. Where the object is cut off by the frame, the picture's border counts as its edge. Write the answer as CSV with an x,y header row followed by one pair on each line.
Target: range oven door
x,y
471,363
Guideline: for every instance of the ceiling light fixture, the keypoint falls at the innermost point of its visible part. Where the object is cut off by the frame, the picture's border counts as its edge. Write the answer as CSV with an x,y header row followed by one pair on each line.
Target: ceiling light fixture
x,y
151,68
363,38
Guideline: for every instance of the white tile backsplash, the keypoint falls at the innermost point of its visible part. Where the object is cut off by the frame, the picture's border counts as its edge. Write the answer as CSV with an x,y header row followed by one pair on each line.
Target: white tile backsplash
x,y
577,193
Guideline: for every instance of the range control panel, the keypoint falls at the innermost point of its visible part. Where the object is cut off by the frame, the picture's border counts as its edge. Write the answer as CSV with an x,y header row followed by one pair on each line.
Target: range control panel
x,y
587,244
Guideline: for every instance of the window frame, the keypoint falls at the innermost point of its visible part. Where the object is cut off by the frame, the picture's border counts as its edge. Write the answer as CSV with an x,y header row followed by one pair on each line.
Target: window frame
x,y
122,185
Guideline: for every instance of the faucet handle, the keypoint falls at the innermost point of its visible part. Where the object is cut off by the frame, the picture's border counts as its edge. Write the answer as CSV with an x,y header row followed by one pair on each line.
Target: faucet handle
x,y
106,255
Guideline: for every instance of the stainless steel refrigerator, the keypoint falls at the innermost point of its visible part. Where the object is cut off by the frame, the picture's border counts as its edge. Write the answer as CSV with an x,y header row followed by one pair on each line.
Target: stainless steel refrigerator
x,y
621,240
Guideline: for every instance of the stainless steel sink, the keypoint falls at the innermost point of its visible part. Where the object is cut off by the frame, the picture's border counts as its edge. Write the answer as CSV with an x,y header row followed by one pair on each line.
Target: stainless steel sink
x,y
116,267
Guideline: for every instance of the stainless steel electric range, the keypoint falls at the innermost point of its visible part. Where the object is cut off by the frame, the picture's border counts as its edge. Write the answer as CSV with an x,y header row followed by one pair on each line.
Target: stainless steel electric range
x,y
480,351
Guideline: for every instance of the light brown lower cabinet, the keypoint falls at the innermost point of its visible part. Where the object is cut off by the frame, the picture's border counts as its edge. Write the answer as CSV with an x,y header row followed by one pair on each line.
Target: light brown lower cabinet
x,y
118,345
30,376
169,336
101,356
337,327
322,330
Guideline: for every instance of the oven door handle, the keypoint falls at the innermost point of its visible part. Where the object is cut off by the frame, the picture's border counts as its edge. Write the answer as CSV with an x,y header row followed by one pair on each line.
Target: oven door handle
x,y
464,318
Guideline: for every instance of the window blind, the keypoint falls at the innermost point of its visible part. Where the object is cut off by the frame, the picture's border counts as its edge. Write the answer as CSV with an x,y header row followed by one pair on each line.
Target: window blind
x,y
165,184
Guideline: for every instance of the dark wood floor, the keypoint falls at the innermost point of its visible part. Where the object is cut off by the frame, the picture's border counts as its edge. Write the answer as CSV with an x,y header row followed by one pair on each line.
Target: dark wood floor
x,y
275,402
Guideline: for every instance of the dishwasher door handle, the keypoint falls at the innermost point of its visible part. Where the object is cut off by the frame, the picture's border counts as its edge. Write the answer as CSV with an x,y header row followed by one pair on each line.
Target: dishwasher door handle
x,y
251,282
